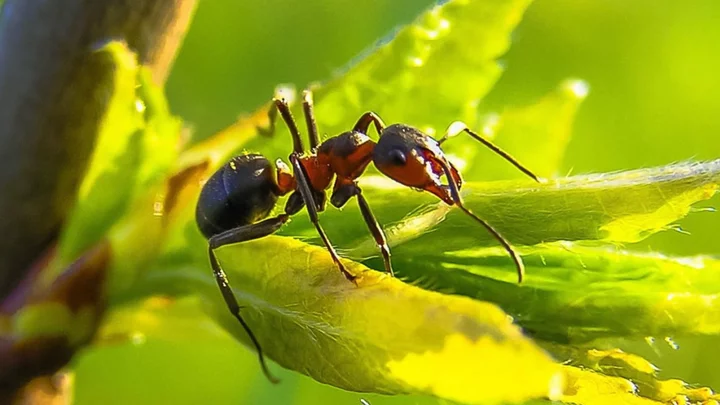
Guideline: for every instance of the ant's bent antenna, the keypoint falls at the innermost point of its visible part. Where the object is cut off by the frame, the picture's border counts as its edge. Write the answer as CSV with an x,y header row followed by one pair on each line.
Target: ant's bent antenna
x,y
457,127
455,194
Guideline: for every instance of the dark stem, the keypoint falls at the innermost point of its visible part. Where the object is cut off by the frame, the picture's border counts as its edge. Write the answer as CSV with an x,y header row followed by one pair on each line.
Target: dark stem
x,y
54,92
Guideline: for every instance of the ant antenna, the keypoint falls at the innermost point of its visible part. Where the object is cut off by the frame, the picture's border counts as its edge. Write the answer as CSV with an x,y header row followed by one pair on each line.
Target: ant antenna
x,y
455,194
457,127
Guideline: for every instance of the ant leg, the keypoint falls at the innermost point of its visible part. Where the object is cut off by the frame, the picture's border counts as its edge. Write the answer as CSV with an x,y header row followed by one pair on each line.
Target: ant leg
x,y
295,202
310,119
284,108
311,206
458,127
375,230
455,194
320,200
237,235
342,194
366,119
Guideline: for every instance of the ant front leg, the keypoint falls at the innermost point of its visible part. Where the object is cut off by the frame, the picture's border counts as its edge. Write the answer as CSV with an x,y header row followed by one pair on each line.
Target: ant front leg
x,y
307,194
340,197
363,124
281,105
237,235
458,127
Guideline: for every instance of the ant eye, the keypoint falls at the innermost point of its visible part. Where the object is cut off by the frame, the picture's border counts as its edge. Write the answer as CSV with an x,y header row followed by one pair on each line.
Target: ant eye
x,y
397,157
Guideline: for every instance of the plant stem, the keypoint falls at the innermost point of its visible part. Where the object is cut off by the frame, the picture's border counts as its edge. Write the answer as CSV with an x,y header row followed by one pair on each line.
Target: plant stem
x,y
54,93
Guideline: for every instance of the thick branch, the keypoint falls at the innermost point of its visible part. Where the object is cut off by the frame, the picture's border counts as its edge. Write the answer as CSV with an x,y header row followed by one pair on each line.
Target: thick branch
x,y
54,92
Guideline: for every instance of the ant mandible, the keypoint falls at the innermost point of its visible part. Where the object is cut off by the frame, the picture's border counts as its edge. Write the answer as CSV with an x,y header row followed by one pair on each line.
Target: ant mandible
x,y
236,201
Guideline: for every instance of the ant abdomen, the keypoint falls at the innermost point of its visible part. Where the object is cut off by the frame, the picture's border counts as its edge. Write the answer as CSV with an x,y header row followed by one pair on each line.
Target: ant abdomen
x,y
241,192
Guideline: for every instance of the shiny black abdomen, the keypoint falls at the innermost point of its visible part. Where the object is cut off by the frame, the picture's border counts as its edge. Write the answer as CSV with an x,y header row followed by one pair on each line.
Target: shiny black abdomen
x,y
241,192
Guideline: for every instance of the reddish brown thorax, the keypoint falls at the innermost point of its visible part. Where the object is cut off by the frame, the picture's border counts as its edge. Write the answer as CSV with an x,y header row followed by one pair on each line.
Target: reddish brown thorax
x,y
345,156
352,165
319,173
327,163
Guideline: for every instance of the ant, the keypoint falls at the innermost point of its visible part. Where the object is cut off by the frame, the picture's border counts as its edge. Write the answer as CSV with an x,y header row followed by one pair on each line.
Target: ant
x,y
236,201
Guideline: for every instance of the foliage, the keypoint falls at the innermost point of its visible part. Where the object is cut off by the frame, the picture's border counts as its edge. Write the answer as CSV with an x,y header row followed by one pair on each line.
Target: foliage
x,y
443,329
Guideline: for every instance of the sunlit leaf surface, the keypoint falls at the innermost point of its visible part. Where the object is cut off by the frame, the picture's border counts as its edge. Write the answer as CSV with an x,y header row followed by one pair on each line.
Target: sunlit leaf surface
x,y
136,147
613,376
352,337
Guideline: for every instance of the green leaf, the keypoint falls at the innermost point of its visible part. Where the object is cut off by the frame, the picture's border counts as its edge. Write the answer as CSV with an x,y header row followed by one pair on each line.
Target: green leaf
x,y
386,336
443,34
616,207
571,292
123,189
612,376
448,53
379,336
588,388
135,149
107,187
59,310
171,336
428,74
537,134
575,293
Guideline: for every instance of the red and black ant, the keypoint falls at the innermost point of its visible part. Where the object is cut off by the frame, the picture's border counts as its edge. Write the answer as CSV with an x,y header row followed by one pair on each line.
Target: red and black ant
x,y
236,200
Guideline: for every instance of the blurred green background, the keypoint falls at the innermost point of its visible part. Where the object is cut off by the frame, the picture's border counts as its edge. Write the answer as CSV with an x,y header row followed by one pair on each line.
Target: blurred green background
x,y
653,72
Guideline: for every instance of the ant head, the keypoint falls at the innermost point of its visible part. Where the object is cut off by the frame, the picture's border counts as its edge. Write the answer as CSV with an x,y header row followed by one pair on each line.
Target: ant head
x,y
414,159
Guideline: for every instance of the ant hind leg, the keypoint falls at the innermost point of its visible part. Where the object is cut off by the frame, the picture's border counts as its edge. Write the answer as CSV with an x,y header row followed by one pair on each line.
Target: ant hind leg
x,y
237,235
342,195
